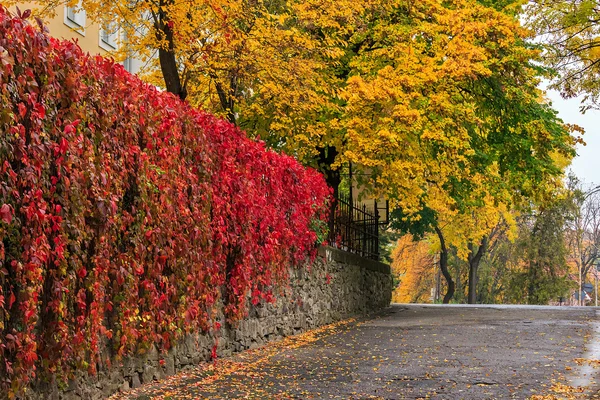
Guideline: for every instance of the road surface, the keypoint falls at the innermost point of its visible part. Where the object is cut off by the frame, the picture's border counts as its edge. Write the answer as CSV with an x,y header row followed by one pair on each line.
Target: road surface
x,y
413,352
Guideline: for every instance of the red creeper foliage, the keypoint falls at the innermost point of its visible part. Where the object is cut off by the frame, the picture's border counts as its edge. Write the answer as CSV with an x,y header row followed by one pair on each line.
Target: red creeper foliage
x,y
125,214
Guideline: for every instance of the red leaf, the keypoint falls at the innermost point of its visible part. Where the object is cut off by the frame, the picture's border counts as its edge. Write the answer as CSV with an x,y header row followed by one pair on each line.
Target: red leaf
x,y
6,213
63,146
11,300
22,110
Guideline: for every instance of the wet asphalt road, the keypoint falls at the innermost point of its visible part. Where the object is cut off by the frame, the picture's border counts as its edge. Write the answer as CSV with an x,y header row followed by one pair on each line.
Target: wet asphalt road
x,y
412,352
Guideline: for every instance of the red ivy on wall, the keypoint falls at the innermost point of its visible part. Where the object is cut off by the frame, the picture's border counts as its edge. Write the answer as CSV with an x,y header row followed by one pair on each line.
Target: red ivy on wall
x,y
125,214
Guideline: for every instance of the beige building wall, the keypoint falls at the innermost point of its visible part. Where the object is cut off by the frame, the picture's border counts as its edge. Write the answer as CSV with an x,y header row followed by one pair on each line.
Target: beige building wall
x,y
88,34
358,199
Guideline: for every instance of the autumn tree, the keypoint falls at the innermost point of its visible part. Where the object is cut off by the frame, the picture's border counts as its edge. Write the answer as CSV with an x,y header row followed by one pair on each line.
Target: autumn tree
x,y
413,262
448,117
407,92
424,223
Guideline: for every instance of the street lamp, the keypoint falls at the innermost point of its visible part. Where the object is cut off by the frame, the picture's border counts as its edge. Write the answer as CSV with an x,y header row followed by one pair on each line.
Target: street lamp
x,y
596,280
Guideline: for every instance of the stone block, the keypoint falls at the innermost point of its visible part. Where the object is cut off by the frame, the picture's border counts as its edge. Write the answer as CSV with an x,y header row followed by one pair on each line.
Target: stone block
x,y
135,381
150,372
184,360
170,365
153,354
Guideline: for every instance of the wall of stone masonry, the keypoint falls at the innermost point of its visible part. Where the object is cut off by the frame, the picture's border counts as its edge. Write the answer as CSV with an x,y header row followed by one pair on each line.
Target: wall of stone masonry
x,y
337,285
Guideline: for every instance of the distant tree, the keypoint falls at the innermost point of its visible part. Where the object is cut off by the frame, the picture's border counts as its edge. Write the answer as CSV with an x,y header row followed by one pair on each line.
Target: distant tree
x,y
426,222
541,273
583,229
569,32
495,270
413,263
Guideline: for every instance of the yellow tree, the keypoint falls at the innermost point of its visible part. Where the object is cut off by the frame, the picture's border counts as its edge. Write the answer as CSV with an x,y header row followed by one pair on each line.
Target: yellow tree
x,y
444,113
445,97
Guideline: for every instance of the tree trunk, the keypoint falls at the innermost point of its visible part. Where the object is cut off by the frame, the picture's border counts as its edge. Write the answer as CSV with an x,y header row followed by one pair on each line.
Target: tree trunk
x,y
226,100
333,178
444,267
472,299
325,160
531,288
168,66
458,286
474,260
166,55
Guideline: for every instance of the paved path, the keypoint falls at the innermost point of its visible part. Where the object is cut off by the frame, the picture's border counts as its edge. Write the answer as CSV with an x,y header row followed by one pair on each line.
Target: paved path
x,y
413,352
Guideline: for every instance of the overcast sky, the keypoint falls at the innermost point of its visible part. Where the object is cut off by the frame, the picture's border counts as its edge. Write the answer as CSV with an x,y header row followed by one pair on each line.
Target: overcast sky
x,y
587,163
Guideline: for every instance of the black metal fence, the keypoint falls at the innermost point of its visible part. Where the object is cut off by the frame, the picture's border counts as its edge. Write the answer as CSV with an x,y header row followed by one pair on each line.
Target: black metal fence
x,y
355,228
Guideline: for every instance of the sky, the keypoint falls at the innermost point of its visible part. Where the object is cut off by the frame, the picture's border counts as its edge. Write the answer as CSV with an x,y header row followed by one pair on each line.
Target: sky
x,y
586,165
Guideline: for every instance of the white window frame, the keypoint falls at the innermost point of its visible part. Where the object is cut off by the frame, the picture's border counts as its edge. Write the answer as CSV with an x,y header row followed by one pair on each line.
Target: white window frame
x,y
128,61
128,64
77,18
112,39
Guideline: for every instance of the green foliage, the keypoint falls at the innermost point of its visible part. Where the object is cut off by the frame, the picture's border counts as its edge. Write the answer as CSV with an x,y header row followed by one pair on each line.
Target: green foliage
x,y
417,224
321,229
387,241
545,272
532,269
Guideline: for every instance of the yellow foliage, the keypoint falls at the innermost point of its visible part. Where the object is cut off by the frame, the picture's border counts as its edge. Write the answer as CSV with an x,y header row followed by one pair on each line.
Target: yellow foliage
x,y
426,117
414,263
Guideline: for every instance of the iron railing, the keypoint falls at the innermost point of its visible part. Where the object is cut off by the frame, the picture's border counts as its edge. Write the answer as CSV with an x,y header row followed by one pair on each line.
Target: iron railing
x,y
355,228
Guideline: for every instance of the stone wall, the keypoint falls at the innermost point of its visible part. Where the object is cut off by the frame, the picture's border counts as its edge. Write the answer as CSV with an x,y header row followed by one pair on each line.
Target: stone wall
x,y
336,286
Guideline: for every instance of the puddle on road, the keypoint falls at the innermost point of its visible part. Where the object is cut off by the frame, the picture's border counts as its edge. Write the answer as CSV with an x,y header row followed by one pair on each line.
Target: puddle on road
x,y
585,375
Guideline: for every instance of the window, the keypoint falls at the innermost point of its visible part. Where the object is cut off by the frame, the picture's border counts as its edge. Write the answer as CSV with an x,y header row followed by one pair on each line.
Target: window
x,y
75,18
128,64
109,37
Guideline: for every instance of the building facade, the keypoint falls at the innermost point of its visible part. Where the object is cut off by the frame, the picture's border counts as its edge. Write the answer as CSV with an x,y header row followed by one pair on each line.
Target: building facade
x,y
71,23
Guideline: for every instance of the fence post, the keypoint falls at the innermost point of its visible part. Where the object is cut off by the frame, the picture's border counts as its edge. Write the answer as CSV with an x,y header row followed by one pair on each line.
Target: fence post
x,y
376,231
351,199
364,233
